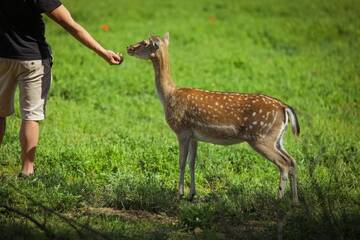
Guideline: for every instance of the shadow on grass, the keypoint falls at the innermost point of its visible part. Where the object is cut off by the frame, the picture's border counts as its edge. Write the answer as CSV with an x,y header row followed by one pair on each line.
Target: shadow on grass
x,y
327,210
37,214
217,217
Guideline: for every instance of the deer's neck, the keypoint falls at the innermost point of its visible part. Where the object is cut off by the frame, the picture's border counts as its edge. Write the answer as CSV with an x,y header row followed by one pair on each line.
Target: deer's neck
x,y
164,84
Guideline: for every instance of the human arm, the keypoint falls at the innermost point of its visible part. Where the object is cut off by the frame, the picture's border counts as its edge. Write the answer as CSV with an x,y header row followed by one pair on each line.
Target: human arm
x,y
63,17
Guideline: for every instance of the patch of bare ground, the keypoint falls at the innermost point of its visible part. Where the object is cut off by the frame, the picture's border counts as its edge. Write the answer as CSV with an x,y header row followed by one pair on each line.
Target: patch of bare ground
x,y
250,229
132,215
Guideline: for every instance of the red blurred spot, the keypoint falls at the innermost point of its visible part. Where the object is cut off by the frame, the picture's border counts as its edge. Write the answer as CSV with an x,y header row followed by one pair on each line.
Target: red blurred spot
x,y
212,19
105,27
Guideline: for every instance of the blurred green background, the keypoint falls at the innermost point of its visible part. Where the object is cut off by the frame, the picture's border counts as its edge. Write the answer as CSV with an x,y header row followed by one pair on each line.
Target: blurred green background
x,y
107,163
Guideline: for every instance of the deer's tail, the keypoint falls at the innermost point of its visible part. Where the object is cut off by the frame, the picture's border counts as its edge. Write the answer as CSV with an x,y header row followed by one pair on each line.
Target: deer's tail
x,y
293,119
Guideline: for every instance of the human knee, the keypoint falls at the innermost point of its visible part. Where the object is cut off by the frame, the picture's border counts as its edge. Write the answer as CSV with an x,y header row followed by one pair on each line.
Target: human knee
x,y
28,125
29,134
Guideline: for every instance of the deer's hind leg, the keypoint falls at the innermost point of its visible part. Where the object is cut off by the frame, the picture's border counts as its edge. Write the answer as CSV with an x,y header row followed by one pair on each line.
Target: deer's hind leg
x,y
292,169
290,160
268,149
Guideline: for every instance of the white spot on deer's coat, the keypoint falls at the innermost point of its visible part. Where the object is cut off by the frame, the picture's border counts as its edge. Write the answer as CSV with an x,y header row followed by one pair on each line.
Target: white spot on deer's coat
x,y
254,122
272,123
254,113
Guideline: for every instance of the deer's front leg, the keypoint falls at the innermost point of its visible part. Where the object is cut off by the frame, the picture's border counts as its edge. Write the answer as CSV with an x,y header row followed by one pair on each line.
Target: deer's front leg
x,y
192,158
183,153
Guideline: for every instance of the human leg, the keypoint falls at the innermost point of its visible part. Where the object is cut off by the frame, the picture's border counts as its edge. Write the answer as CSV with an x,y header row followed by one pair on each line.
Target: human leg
x,y
29,138
7,92
34,87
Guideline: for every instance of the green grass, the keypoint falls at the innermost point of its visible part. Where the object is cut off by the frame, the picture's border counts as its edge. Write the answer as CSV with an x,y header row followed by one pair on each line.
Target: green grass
x,y
107,162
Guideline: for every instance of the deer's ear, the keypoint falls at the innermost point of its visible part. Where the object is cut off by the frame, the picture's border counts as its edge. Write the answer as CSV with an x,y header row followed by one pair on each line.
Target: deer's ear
x,y
156,43
166,38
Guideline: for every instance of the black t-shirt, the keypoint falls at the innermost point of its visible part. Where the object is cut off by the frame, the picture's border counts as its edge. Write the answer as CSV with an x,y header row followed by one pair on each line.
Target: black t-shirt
x,y
22,29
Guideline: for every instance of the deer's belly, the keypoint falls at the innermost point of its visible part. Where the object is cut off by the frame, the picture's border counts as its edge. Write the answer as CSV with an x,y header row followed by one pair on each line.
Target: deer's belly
x,y
223,135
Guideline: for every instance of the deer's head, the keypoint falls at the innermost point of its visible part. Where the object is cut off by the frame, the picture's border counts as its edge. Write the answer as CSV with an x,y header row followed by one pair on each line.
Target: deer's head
x,y
148,48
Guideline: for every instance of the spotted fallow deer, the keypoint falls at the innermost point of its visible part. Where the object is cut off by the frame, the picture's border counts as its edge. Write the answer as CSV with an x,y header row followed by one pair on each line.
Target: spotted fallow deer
x,y
219,117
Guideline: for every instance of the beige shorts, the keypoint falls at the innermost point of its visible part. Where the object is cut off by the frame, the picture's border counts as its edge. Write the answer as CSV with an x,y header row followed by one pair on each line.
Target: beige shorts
x,y
33,78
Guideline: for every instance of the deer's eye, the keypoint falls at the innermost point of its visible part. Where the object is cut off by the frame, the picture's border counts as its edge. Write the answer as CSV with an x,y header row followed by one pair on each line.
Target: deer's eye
x,y
146,43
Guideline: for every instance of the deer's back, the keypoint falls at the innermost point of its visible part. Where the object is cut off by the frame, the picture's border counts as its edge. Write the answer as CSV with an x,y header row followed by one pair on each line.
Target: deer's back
x,y
223,117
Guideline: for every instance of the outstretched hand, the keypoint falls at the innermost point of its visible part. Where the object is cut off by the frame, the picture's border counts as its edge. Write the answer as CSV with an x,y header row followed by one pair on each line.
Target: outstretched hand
x,y
63,17
113,58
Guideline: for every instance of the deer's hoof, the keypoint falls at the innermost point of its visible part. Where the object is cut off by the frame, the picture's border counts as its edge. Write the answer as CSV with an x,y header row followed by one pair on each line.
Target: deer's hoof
x,y
296,202
191,197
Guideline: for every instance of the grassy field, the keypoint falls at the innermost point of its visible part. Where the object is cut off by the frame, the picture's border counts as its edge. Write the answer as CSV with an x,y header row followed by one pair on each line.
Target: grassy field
x,y
107,162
